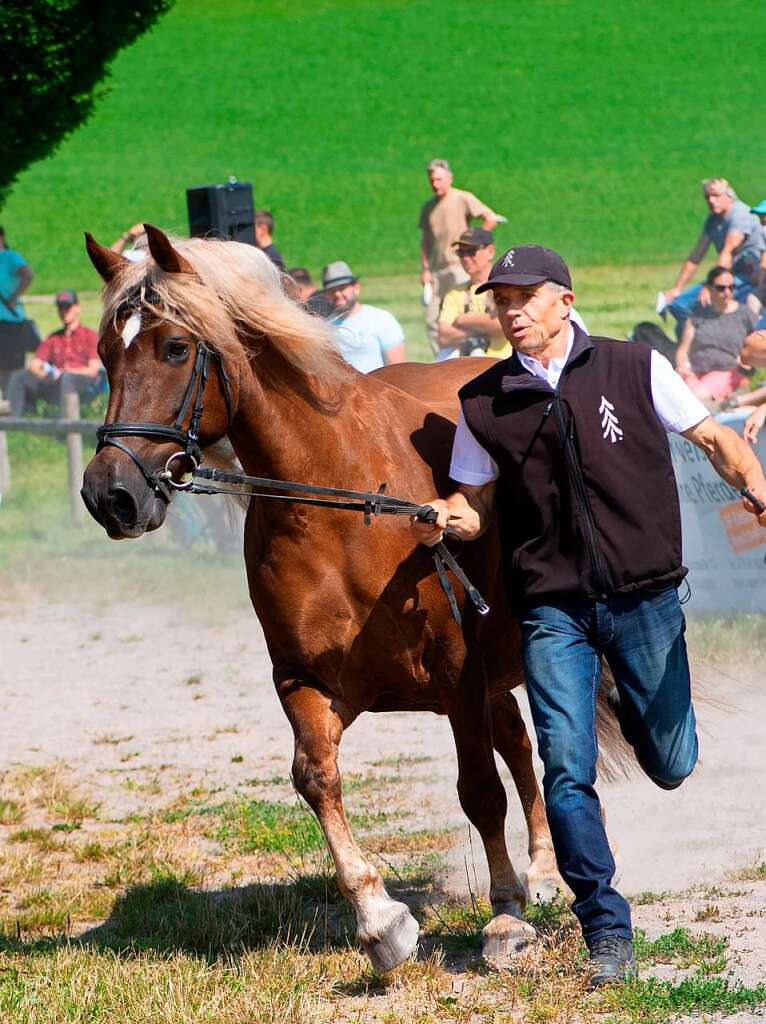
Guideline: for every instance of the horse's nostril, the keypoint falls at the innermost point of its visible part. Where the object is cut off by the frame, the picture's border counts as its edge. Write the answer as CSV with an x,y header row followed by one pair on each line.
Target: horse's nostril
x,y
123,506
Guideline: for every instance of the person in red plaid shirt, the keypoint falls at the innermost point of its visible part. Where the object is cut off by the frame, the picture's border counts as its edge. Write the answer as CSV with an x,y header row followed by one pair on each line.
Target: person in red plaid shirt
x,y
67,360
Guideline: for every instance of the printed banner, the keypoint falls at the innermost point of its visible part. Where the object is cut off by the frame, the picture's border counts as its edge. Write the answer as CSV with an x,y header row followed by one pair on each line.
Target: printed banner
x,y
724,548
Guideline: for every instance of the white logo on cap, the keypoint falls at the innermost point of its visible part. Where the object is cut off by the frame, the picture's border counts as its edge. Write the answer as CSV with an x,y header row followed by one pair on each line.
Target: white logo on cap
x,y
508,259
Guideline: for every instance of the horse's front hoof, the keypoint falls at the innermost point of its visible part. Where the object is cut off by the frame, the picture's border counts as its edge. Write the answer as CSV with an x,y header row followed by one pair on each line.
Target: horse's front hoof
x,y
505,936
397,937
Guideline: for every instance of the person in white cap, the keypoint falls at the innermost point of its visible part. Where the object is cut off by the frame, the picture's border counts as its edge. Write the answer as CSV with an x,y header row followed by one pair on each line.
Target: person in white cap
x,y
368,337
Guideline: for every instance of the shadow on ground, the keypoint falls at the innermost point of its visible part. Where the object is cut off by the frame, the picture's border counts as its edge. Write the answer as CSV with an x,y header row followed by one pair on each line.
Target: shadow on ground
x,y
167,916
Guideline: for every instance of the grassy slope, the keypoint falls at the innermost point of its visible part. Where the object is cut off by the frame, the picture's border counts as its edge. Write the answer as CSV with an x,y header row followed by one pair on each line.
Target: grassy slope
x,y
588,123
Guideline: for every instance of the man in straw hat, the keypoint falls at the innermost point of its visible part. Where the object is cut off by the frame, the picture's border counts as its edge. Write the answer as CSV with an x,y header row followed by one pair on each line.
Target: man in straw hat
x,y
368,337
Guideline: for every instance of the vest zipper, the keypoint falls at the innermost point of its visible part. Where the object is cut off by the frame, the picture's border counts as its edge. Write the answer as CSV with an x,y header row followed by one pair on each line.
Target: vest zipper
x,y
575,475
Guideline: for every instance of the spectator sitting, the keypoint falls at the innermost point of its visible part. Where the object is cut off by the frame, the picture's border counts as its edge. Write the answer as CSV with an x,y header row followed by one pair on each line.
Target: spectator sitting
x,y
301,288
737,237
709,351
755,420
66,361
301,284
760,212
264,231
468,323
754,350
442,219
138,250
15,278
368,337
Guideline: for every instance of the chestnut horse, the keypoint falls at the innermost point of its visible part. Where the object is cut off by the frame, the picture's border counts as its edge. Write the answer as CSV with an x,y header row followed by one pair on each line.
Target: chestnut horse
x,y
354,617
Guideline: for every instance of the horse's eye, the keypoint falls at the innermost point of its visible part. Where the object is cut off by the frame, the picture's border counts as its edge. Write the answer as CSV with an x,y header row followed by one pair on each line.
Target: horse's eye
x,y
176,351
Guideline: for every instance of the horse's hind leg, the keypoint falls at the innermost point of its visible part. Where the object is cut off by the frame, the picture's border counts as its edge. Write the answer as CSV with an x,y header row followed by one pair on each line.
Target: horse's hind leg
x,y
482,797
385,928
509,735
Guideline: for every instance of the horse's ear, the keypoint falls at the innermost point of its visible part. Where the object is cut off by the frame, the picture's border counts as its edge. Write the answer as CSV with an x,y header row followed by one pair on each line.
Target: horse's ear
x,y
165,256
106,262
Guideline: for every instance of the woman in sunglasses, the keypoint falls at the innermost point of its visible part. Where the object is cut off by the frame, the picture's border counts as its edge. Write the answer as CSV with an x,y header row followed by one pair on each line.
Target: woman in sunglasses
x,y
708,354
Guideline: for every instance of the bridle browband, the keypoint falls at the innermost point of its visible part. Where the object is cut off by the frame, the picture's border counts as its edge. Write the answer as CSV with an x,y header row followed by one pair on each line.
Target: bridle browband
x,y
160,480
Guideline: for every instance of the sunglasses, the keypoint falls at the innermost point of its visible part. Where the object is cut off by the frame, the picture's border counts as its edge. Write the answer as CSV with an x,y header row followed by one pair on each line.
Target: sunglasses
x,y
724,287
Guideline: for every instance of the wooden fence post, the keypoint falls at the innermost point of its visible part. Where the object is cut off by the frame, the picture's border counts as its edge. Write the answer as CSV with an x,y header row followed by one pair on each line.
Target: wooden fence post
x,y
5,464
70,410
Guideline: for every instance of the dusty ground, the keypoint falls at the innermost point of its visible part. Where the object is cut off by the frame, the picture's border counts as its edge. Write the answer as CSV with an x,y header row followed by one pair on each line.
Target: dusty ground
x,y
147,702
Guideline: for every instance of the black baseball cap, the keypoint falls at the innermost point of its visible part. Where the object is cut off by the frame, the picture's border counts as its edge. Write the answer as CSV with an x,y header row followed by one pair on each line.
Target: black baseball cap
x,y
474,238
527,264
66,298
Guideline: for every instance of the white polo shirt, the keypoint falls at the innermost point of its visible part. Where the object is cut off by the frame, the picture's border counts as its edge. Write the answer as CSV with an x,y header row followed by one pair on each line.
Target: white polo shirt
x,y
676,405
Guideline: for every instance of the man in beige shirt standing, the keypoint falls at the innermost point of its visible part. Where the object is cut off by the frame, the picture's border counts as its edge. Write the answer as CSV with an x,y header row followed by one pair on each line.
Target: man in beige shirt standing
x,y
442,219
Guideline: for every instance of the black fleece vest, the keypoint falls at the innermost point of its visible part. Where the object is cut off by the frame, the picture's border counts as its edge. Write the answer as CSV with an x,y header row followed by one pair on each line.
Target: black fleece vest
x,y
587,501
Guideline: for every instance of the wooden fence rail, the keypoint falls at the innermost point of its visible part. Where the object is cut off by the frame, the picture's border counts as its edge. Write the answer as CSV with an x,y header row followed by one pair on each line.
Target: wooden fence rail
x,y
69,426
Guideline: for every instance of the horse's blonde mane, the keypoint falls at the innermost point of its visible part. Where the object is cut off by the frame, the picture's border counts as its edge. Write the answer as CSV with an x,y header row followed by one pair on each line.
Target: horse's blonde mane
x,y
235,289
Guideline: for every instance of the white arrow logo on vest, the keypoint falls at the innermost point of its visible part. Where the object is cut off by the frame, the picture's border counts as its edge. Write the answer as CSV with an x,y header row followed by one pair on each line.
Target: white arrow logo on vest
x,y
609,421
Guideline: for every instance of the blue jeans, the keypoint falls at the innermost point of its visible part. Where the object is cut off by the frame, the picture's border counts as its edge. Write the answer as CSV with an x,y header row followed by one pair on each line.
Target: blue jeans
x,y
641,636
681,307
24,386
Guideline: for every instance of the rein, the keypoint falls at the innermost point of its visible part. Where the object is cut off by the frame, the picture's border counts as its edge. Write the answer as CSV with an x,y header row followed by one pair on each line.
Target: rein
x,y
370,503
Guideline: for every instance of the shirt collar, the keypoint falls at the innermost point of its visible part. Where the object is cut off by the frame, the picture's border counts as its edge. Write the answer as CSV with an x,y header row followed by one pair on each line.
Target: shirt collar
x,y
518,376
555,366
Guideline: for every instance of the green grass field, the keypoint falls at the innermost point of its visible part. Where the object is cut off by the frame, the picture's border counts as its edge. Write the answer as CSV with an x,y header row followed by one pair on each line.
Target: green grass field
x,y
588,124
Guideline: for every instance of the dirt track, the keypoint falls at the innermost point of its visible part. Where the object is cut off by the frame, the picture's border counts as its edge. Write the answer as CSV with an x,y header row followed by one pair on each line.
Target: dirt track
x,y
175,693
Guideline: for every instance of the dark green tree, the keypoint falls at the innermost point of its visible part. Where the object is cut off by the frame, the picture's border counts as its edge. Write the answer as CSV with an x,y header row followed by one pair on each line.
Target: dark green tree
x,y
55,55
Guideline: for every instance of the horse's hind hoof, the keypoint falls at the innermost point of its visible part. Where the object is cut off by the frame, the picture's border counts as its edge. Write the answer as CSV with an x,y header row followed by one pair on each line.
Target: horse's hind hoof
x,y
397,938
505,936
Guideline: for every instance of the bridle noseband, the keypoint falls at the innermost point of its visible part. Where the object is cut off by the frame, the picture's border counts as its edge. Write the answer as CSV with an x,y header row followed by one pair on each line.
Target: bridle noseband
x,y
161,480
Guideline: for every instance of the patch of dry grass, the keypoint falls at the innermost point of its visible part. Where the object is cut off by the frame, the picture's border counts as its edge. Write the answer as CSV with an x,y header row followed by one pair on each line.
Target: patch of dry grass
x,y
10,812
404,841
753,873
277,985
50,788
202,912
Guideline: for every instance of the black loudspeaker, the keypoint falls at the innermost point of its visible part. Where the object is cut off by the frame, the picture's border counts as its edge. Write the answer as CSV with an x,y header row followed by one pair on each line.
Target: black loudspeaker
x,y
222,211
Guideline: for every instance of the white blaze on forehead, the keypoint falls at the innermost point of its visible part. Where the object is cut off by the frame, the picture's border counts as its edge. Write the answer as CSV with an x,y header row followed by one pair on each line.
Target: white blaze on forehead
x,y
131,329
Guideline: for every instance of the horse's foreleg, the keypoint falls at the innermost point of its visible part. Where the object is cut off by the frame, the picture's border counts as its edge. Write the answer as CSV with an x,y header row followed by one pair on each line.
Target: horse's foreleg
x,y
385,927
482,797
509,735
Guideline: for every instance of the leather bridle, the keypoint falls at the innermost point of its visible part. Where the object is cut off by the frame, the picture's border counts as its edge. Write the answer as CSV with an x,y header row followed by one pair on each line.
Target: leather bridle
x,y
161,480
162,483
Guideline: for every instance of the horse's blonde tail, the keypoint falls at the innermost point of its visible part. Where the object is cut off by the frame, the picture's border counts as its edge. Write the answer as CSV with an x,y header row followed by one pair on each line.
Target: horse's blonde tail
x,y
616,757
